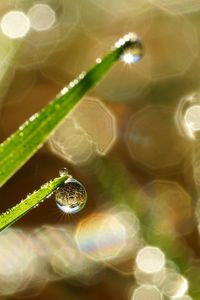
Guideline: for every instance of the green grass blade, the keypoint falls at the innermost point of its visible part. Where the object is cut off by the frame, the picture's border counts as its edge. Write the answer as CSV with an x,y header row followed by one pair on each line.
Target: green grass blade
x,y
31,201
18,148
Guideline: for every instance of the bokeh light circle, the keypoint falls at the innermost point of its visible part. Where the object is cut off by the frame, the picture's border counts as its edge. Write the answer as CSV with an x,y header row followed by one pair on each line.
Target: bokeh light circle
x,y
145,292
15,24
42,17
150,260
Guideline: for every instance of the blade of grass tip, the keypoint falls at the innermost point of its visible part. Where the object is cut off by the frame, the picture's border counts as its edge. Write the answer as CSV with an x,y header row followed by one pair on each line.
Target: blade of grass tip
x,y
20,146
31,201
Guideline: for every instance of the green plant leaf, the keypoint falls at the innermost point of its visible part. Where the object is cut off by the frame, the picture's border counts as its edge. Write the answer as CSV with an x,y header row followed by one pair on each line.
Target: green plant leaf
x,y
31,201
20,146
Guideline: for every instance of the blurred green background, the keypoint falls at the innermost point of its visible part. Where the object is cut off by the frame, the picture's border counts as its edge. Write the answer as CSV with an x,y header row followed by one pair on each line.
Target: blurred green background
x,y
129,142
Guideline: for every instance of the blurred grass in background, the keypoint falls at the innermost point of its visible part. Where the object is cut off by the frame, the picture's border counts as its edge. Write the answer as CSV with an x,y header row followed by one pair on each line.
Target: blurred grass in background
x,y
126,142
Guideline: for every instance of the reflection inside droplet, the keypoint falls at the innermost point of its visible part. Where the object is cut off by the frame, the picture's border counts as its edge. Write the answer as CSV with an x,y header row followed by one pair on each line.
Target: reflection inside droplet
x,y
133,54
71,197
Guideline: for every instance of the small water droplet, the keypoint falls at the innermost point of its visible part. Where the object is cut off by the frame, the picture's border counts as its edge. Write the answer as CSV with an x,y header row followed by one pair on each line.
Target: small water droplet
x,y
47,197
98,60
134,53
63,172
33,117
71,84
82,75
64,90
76,81
71,197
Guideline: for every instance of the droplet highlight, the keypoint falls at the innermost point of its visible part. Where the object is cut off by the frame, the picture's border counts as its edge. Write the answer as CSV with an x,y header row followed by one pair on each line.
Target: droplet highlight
x,y
71,197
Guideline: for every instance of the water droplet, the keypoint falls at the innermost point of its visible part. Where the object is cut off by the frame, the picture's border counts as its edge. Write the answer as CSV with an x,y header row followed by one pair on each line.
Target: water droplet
x,y
82,75
33,117
64,90
63,172
71,197
98,60
134,53
71,84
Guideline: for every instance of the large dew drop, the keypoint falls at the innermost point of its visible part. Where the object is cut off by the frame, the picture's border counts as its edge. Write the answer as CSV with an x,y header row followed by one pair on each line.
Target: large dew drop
x,y
71,197
134,53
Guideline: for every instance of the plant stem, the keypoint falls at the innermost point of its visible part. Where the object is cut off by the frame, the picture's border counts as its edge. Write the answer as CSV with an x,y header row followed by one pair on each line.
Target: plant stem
x,y
31,201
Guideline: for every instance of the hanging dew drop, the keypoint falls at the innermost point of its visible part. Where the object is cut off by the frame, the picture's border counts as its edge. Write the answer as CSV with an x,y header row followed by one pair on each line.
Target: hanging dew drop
x,y
71,197
134,53
63,172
